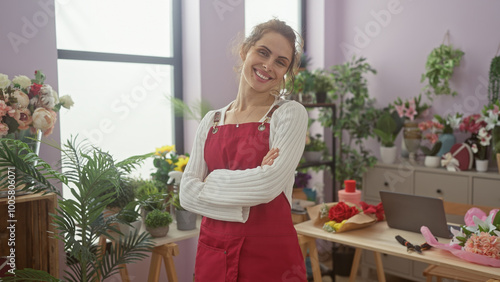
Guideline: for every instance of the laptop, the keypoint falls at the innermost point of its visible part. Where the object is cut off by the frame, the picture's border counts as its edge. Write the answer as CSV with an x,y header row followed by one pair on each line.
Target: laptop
x,y
410,212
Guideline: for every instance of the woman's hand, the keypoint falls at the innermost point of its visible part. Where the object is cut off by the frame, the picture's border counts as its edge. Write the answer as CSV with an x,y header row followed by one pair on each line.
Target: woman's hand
x,y
270,156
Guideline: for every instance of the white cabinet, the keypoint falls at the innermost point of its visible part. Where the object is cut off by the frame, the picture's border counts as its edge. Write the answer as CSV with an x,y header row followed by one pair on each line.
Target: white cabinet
x,y
468,187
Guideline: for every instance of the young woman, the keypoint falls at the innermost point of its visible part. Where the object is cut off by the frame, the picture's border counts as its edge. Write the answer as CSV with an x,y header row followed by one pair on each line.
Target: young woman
x,y
241,169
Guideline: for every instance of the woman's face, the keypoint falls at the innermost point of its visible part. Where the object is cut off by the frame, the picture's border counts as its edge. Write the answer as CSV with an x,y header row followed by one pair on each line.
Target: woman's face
x,y
265,64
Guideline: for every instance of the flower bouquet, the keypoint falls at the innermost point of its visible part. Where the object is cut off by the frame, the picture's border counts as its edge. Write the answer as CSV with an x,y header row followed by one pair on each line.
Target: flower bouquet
x,y
432,129
341,216
166,160
411,109
28,105
477,241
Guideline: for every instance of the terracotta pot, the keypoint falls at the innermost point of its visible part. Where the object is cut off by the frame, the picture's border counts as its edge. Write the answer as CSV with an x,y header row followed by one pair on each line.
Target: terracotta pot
x,y
158,231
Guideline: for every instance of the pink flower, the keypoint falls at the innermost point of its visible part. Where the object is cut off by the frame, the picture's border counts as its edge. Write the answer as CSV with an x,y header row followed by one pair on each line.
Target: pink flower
x,y
400,109
23,118
4,109
44,120
483,244
4,129
411,113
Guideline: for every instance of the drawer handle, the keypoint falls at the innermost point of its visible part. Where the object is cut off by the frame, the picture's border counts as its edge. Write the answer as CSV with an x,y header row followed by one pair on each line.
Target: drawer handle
x,y
439,191
386,184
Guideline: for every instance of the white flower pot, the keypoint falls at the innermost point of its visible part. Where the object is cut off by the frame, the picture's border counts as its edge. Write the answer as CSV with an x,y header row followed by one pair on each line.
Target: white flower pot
x,y
432,161
388,154
481,165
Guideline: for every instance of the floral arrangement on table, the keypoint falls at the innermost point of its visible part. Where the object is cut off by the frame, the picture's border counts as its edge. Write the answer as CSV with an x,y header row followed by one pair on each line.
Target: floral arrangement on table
x,y
412,108
28,104
479,140
450,123
480,149
477,241
166,159
431,129
341,216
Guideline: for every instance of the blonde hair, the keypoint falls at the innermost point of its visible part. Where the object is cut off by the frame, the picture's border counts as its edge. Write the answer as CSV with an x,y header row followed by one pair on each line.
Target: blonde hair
x,y
286,31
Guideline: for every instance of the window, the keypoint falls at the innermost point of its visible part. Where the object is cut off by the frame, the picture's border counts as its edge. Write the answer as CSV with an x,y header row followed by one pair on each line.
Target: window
x,y
120,60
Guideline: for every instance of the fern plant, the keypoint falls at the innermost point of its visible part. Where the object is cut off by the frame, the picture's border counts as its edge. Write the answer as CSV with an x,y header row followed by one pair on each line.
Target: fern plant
x,y
494,80
80,222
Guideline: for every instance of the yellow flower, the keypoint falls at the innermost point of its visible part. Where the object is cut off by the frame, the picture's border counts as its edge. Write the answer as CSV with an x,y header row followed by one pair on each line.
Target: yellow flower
x,y
164,150
169,161
180,165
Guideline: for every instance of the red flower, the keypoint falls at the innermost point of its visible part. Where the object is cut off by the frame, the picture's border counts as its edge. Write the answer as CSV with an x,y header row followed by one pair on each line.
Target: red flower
x,y
378,210
35,89
471,124
342,211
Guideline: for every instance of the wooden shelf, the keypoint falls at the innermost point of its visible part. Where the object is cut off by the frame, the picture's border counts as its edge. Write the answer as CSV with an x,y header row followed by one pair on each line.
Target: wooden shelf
x,y
35,246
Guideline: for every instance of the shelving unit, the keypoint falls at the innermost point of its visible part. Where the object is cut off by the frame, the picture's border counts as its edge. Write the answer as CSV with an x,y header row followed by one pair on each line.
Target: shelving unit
x,y
331,163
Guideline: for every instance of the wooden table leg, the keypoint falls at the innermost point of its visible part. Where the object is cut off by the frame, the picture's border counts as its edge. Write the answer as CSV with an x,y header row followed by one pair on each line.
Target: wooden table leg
x,y
154,267
380,267
309,243
165,252
355,265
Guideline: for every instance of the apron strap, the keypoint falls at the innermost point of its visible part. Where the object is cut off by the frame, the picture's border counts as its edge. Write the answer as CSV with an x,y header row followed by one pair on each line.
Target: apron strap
x,y
262,126
216,122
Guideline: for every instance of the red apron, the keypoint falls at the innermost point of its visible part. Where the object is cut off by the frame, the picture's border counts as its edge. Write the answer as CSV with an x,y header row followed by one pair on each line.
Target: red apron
x,y
265,248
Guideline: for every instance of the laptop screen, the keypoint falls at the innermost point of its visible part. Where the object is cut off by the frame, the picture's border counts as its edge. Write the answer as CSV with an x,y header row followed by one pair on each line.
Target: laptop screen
x,y
410,212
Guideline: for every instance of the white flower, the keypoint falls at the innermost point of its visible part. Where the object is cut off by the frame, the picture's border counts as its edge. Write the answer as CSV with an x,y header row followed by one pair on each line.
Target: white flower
x,y
22,99
474,148
66,101
486,225
492,120
4,81
484,137
47,97
22,80
454,121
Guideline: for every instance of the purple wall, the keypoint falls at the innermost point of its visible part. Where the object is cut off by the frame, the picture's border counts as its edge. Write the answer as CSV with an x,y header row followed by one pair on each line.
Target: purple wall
x,y
396,46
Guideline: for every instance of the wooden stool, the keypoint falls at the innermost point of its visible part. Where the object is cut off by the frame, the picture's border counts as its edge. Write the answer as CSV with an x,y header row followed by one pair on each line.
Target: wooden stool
x,y
444,272
309,243
166,252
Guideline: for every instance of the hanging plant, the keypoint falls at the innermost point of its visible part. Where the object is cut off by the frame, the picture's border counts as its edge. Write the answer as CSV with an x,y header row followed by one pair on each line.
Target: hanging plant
x,y
494,80
439,69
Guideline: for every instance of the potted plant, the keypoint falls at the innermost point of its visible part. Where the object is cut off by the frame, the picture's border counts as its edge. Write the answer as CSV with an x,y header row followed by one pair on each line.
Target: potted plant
x,y
80,221
130,219
439,68
157,223
450,123
185,219
386,129
322,84
433,128
303,85
315,148
355,118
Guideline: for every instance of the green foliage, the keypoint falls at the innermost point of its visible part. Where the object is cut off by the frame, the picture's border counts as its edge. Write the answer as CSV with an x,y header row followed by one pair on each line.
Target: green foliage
x,y
322,81
194,111
385,129
439,70
304,82
17,154
80,221
315,144
129,213
175,201
433,150
494,80
123,196
158,218
355,119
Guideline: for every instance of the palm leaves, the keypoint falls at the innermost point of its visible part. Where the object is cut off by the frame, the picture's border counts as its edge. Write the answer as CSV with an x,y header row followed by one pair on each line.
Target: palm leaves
x,y
80,221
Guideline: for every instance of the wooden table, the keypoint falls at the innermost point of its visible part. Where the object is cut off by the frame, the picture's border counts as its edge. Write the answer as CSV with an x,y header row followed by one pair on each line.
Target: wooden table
x,y
379,238
165,249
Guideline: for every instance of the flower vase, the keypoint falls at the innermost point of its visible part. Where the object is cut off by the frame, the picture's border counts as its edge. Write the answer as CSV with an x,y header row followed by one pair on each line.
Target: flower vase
x,y
481,165
412,138
447,141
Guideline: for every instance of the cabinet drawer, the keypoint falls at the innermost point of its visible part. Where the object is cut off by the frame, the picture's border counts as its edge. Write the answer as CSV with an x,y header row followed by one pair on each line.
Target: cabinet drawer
x,y
396,264
377,179
452,188
486,192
